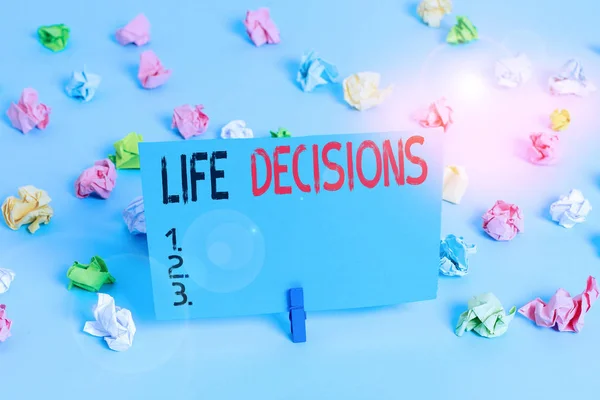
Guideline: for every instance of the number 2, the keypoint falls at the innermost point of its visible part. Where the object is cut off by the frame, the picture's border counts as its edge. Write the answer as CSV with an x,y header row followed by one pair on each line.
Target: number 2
x,y
181,293
179,263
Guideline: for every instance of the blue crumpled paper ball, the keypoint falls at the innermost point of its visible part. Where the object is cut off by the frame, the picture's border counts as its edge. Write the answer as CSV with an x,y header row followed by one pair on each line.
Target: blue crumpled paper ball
x,y
83,85
314,71
454,255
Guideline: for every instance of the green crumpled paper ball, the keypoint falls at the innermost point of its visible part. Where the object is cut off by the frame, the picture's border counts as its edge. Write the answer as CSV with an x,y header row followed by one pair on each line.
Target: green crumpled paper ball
x,y
463,32
90,276
281,133
127,152
485,316
54,37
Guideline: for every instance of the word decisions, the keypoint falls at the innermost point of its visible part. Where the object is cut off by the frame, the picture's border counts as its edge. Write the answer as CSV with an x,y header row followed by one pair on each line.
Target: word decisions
x,y
368,164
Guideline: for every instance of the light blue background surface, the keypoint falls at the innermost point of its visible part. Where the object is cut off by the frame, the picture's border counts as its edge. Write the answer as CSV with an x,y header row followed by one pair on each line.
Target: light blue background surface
x,y
408,351
242,254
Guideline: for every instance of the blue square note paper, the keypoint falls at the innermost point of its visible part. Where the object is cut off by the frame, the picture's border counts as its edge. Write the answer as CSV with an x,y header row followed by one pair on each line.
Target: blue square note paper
x,y
233,224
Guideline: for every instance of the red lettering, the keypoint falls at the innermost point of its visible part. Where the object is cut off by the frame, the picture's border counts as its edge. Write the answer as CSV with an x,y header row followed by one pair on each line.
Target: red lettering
x,y
302,186
259,191
333,166
368,144
388,159
280,169
350,160
416,160
316,176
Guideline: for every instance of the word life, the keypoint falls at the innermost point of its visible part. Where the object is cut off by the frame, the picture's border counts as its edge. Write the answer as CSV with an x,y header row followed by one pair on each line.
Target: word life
x,y
194,177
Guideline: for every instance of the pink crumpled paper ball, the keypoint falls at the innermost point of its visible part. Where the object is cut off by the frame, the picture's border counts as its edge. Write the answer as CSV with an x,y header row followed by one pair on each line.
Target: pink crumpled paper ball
x,y
137,31
28,113
439,114
151,73
562,312
503,221
99,179
261,28
5,324
544,148
189,121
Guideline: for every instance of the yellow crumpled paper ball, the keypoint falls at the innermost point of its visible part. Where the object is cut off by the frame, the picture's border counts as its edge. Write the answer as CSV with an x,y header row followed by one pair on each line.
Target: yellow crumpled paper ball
x,y
32,208
455,183
560,120
362,91
432,11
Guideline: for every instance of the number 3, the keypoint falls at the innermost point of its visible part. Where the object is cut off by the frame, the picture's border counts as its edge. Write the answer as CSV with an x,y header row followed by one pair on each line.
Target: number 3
x,y
181,293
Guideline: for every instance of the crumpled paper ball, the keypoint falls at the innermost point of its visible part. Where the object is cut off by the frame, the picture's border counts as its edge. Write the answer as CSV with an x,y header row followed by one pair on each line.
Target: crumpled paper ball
x,y
260,27
28,113
462,32
503,221
362,91
83,85
512,72
281,133
137,31
485,316
113,323
456,182
544,148
5,324
90,276
439,114
236,129
571,80
432,11
190,121
563,312
560,120
570,209
6,278
54,37
127,152
31,208
151,72
454,255
134,216
99,179
315,71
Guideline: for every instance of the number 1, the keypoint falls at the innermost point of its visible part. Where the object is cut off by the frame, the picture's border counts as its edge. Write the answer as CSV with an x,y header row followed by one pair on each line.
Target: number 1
x,y
173,235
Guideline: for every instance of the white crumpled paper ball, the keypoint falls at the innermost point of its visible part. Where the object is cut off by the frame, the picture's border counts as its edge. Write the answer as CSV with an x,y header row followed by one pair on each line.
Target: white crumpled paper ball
x,y
236,130
6,278
512,72
570,209
134,216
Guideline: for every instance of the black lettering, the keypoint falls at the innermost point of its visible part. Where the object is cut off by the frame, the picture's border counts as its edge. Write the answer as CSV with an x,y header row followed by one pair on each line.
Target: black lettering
x,y
167,198
180,292
177,265
196,176
217,174
173,233
184,179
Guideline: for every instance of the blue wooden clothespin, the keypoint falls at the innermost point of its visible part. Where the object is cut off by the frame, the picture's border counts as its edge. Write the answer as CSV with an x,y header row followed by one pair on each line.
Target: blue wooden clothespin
x,y
297,315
